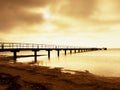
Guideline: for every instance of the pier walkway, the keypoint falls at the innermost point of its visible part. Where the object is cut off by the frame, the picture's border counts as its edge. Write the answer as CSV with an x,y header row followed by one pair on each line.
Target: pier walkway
x,y
17,47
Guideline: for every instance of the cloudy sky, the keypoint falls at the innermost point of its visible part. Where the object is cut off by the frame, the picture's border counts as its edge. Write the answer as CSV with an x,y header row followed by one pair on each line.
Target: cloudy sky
x,y
69,22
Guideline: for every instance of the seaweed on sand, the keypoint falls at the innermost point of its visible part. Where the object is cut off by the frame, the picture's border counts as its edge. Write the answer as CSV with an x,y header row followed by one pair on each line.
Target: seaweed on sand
x,y
36,86
10,81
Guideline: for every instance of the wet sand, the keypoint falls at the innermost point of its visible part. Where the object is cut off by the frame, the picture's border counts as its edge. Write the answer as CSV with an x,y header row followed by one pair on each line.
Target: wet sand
x,y
18,76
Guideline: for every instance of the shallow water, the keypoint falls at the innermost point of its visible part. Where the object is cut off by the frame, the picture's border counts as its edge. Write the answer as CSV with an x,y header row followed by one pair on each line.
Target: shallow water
x,y
104,63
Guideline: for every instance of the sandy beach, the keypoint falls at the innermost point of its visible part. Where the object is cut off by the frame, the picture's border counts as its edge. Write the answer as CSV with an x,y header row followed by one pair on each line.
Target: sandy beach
x,y
19,76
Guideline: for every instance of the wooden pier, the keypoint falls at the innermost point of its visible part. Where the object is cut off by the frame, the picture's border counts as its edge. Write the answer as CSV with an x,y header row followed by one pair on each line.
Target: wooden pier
x,y
17,47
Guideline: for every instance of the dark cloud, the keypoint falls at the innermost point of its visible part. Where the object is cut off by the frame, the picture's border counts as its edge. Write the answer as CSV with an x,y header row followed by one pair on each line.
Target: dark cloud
x,y
78,8
14,13
12,18
23,3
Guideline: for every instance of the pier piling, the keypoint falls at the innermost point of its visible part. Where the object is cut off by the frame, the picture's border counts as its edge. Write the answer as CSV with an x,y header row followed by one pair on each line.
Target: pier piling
x,y
15,54
65,52
48,54
70,51
75,51
58,53
35,55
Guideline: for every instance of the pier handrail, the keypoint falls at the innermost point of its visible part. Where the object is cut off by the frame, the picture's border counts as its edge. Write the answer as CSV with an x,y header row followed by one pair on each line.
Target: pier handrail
x,y
32,45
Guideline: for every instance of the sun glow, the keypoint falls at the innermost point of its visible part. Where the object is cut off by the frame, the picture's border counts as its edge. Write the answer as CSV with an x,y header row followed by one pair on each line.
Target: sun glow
x,y
45,12
47,15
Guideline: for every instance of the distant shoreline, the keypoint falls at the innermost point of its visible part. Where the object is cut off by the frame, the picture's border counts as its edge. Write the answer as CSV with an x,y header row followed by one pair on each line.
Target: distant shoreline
x,y
113,48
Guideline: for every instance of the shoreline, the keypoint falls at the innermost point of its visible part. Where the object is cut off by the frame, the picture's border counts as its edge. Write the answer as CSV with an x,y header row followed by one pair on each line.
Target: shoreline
x,y
21,76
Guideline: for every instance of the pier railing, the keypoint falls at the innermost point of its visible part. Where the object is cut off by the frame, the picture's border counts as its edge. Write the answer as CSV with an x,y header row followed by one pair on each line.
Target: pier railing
x,y
32,46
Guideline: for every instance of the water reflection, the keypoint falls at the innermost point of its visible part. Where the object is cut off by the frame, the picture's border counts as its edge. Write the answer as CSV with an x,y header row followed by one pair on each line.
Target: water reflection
x,y
104,63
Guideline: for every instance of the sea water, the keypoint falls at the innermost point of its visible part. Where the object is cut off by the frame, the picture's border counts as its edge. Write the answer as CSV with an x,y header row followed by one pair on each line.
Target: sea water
x,y
103,62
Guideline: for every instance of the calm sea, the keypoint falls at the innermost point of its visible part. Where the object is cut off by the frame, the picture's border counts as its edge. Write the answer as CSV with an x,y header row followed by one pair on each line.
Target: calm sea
x,y
103,63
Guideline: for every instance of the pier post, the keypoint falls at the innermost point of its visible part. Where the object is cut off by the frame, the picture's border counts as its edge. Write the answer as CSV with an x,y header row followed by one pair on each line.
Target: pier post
x,y
70,51
79,51
48,54
75,51
35,55
65,52
58,53
15,54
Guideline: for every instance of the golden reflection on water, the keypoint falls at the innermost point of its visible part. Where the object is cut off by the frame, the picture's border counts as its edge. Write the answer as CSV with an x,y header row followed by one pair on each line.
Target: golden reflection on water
x,y
104,63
